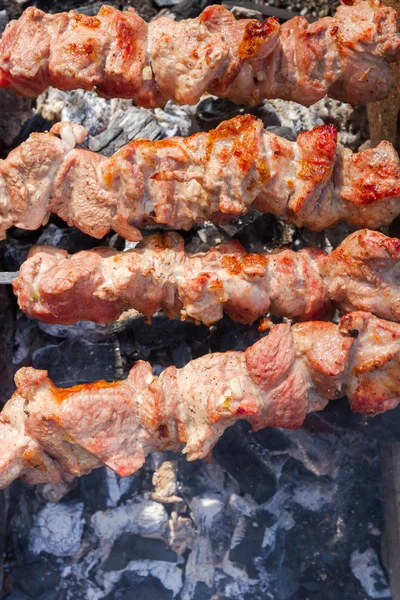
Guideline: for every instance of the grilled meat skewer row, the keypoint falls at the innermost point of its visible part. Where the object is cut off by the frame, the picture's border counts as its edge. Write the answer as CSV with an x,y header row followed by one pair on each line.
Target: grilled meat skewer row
x,y
119,55
99,284
48,433
214,176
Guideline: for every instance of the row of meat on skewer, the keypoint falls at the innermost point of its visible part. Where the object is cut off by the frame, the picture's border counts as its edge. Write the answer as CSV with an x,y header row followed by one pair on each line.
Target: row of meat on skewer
x,y
48,434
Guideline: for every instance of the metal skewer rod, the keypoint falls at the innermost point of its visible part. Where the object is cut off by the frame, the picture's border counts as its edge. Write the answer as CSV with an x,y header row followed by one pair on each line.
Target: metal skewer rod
x,y
6,277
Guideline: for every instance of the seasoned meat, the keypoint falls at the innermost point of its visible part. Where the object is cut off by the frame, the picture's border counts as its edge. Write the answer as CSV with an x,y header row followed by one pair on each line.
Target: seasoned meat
x,y
53,433
214,176
119,55
99,284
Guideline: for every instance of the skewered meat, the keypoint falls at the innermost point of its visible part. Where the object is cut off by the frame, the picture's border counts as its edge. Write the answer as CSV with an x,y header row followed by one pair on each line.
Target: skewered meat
x,y
97,285
214,176
48,433
119,55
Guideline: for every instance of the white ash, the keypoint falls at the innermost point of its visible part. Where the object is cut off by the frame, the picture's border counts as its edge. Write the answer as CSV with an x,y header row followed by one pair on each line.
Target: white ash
x,y
57,529
365,566
140,516
117,487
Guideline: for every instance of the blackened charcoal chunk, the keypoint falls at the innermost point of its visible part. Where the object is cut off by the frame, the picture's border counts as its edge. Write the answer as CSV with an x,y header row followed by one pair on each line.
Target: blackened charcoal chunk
x,y
92,490
237,455
251,544
34,124
36,578
286,132
134,587
212,111
75,361
274,440
202,592
126,125
135,547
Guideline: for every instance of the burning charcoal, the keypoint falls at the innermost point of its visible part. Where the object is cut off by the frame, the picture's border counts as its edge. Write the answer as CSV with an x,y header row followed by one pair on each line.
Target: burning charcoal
x,y
15,595
130,547
35,579
188,9
73,361
126,125
57,529
175,119
248,540
164,3
15,110
211,111
235,454
87,109
149,580
242,12
139,516
3,20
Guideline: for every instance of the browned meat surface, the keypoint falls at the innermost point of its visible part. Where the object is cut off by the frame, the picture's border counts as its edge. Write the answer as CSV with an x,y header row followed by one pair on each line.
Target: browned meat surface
x,y
98,285
119,55
214,176
48,433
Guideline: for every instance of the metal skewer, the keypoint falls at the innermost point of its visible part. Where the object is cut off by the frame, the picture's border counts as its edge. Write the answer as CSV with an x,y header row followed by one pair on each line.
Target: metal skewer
x,y
6,277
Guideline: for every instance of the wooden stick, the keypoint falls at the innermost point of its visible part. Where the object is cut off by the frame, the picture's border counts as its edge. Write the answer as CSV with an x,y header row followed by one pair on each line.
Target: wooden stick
x,y
383,115
390,464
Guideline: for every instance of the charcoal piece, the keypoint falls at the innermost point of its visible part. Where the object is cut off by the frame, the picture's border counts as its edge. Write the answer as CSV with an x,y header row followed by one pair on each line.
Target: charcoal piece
x,y
16,595
166,3
251,544
76,361
384,427
211,111
135,547
126,125
188,9
202,592
85,108
135,587
15,110
36,578
34,124
3,19
255,231
235,453
285,132
275,440
92,490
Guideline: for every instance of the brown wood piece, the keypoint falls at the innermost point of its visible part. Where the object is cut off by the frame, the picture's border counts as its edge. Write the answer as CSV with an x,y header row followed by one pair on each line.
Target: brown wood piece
x,y
383,115
390,464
